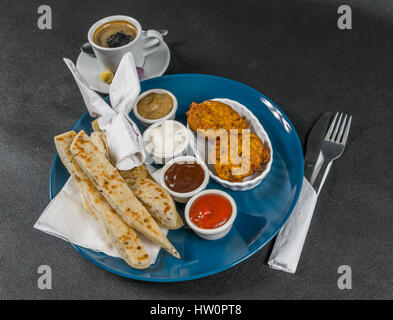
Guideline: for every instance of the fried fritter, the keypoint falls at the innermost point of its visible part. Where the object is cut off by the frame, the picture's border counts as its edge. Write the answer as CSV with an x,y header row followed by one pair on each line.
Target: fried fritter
x,y
214,115
236,161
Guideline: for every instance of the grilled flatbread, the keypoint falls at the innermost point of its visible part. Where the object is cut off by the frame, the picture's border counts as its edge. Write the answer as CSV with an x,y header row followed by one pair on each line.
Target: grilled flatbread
x,y
89,209
138,172
113,187
121,235
81,189
94,125
96,138
158,202
62,143
99,133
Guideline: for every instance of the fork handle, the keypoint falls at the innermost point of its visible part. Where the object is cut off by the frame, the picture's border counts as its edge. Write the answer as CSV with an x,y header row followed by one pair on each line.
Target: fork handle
x,y
320,175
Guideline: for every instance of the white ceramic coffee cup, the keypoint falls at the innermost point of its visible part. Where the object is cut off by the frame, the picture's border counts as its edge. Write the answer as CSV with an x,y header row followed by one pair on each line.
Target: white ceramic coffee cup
x,y
145,43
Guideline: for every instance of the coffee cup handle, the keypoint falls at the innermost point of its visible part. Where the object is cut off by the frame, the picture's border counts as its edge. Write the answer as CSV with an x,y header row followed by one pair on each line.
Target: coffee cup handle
x,y
151,41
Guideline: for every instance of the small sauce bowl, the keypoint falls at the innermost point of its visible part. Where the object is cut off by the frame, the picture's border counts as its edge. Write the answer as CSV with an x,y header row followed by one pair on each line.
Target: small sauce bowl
x,y
216,233
184,197
161,158
170,116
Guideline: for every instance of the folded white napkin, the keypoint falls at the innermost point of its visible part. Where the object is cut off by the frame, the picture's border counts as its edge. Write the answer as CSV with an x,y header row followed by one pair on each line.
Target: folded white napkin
x,y
290,240
66,219
124,138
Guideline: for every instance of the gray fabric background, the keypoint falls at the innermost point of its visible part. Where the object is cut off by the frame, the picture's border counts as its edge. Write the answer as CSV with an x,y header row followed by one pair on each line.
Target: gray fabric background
x,y
293,52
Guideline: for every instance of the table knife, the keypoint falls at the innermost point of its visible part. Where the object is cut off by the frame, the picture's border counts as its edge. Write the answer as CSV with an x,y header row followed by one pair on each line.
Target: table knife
x,y
314,144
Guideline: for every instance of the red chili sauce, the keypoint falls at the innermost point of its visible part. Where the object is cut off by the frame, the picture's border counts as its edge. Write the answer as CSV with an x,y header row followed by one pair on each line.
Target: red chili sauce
x,y
210,211
184,177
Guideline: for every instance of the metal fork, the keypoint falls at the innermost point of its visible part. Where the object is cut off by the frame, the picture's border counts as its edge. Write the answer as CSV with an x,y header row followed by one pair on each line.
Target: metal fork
x,y
333,144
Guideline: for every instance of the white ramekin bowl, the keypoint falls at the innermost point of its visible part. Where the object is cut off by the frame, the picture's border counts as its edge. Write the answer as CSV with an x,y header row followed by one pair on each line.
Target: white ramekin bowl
x,y
256,127
161,158
184,197
147,122
211,234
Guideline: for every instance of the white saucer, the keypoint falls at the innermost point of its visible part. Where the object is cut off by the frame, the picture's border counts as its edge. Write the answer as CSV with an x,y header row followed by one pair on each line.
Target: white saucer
x,y
155,66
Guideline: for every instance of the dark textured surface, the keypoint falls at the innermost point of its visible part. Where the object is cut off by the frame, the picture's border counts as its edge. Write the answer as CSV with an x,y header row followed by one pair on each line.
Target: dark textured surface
x,y
293,52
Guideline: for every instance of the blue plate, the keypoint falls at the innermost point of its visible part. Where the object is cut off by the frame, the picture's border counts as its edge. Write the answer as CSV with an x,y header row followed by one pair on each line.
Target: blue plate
x,y
262,211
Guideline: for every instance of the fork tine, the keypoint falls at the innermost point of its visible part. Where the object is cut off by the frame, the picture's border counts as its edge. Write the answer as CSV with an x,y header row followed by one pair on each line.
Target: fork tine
x,y
340,133
346,131
337,126
328,134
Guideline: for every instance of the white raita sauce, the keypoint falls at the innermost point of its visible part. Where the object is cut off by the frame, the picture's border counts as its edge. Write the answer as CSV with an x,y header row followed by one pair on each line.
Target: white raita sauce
x,y
165,138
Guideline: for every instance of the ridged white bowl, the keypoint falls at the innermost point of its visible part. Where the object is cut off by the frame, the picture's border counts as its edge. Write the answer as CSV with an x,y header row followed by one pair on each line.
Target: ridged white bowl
x,y
254,126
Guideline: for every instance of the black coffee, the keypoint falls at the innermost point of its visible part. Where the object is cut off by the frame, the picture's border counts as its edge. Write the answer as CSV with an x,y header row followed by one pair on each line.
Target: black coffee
x,y
117,40
115,34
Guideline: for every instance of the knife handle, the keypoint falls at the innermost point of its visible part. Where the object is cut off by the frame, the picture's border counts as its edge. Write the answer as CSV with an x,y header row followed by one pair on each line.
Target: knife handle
x,y
308,170
320,176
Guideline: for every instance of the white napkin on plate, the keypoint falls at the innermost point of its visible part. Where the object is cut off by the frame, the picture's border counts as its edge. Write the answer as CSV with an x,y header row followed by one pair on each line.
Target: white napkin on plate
x,y
124,138
290,240
66,219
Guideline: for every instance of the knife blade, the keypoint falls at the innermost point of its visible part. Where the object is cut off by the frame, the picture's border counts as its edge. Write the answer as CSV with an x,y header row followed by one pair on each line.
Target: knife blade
x,y
314,144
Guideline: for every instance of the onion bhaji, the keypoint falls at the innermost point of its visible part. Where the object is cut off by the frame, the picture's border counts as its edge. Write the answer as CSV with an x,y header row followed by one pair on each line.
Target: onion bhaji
x,y
250,158
214,115
233,161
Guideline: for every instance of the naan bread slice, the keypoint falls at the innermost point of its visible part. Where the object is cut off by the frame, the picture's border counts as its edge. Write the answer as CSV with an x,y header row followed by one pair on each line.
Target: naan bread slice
x,y
81,188
120,234
97,132
95,127
158,202
62,143
96,138
138,172
113,187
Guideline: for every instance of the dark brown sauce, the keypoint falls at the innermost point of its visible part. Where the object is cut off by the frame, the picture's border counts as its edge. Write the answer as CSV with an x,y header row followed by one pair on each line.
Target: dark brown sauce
x,y
184,177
